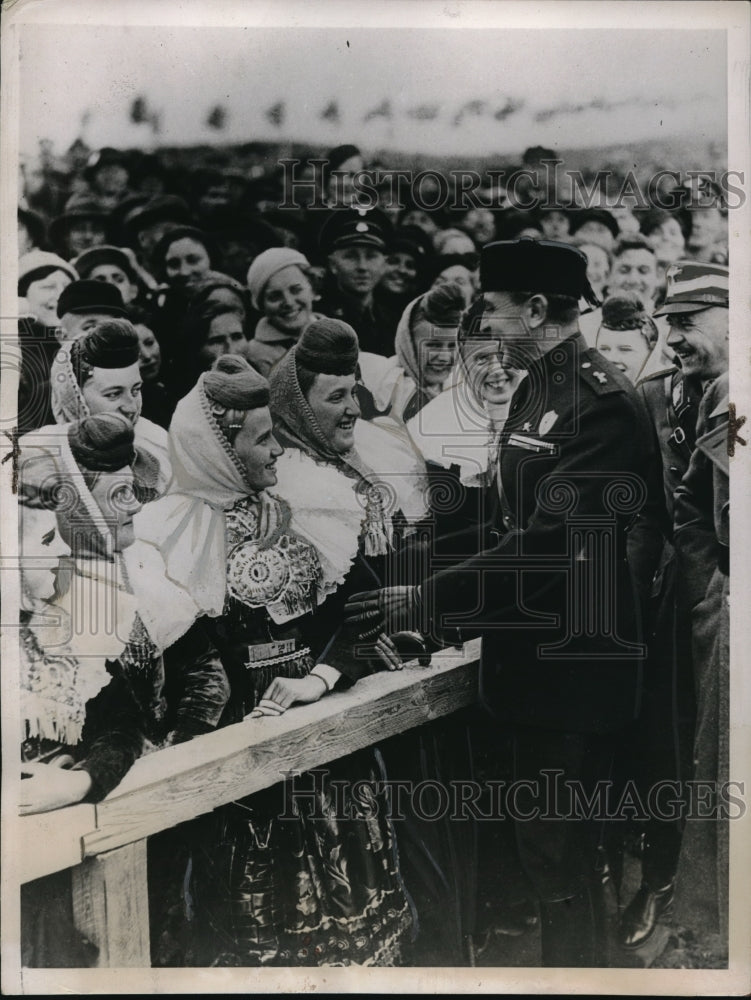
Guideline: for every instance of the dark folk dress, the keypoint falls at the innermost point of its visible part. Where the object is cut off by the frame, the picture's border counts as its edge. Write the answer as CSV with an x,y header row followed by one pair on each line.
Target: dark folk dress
x,y
277,879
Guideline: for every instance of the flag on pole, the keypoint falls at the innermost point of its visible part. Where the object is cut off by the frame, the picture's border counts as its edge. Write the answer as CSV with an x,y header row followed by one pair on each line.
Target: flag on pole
x,y
472,109
139,111
217,117
509,108
276,113
331,113
382,110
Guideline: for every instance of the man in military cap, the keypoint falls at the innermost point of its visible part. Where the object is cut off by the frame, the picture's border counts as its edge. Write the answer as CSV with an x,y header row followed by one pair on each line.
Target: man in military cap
x,y
553,600
355,243
696,307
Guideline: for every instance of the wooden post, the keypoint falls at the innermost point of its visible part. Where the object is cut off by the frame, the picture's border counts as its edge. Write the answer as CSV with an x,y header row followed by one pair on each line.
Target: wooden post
x,y
111,906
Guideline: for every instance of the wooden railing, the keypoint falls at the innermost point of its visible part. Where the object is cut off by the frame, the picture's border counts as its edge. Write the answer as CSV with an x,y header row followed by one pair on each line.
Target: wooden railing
x,y
104,845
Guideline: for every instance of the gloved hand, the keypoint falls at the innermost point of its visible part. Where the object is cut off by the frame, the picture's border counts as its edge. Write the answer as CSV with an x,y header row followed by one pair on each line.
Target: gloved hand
x,y
393,609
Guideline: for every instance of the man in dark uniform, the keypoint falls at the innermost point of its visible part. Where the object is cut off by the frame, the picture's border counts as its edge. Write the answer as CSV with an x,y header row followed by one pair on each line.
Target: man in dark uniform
x,y
696,294
553,600
355,243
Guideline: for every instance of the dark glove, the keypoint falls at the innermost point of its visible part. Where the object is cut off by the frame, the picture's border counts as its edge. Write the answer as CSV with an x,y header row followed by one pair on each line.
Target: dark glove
x,y
393,609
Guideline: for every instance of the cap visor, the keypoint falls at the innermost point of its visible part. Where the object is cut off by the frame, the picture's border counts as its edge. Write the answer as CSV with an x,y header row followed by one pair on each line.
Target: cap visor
x,y
686,307
359,240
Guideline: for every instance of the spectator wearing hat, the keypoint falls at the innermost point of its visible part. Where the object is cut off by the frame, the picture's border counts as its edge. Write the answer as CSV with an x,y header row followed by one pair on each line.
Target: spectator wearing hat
x,y
460,269
281,286
597,225
663,232
479,224
633,270
81,307
113,265
696,307
599,263
703,220
453,241
555,223
32,231
147,223
86,303
627,334
513,223
409,254
431,221
83,224
343,163
355,244
564,692
42,278
108,176
240,236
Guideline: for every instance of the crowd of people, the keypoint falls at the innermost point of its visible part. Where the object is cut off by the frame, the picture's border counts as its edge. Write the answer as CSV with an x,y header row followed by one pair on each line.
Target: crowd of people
x,y
239,423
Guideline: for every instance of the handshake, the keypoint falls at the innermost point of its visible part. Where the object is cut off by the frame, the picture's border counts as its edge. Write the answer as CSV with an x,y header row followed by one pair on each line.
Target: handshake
x,y
393,614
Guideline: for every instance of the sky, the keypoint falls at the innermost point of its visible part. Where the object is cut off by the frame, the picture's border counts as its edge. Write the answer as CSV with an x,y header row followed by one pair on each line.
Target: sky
x,y
82,80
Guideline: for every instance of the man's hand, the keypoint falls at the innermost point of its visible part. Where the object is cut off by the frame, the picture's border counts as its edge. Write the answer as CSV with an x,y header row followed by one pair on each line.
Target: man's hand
x,y
383,653
286,691
45,787
393,609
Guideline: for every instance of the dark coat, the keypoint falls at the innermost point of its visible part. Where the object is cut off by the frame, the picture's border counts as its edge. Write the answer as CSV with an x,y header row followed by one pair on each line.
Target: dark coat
x,y
554,599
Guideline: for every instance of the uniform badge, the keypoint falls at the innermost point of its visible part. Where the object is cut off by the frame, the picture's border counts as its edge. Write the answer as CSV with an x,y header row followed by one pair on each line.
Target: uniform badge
x,y
547,422
362,227
601,377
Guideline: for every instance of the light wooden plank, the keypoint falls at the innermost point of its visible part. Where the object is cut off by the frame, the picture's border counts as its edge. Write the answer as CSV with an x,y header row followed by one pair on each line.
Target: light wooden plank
x,y
182,782
111,906
49,842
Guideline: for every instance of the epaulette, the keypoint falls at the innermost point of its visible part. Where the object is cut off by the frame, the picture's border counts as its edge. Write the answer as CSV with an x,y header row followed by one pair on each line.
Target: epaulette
x,y
657,373
597,378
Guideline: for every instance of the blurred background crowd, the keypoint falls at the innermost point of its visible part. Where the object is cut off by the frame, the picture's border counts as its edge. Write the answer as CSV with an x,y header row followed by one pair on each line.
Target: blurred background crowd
x,y
212,251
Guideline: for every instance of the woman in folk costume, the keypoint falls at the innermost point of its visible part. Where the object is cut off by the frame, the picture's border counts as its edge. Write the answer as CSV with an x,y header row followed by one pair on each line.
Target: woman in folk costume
x,y
356,491
425,349
316,889
99,373
92,678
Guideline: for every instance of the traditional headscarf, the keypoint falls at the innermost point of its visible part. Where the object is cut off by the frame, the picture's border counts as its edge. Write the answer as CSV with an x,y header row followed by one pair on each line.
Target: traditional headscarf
x,y
108,346
327,346
442,306
329,511
67,642
187,525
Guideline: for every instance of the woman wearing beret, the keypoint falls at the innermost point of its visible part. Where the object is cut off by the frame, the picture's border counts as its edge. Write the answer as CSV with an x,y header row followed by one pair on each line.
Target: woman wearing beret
x,y
281,288
265,891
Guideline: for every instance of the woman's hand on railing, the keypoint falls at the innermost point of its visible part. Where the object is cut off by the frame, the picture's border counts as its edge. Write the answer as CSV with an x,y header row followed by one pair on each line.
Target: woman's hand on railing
x,y
286,691
45,787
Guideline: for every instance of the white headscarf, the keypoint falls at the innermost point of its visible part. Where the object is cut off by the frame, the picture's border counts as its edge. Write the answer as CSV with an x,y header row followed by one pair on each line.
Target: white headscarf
x,y
69,405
